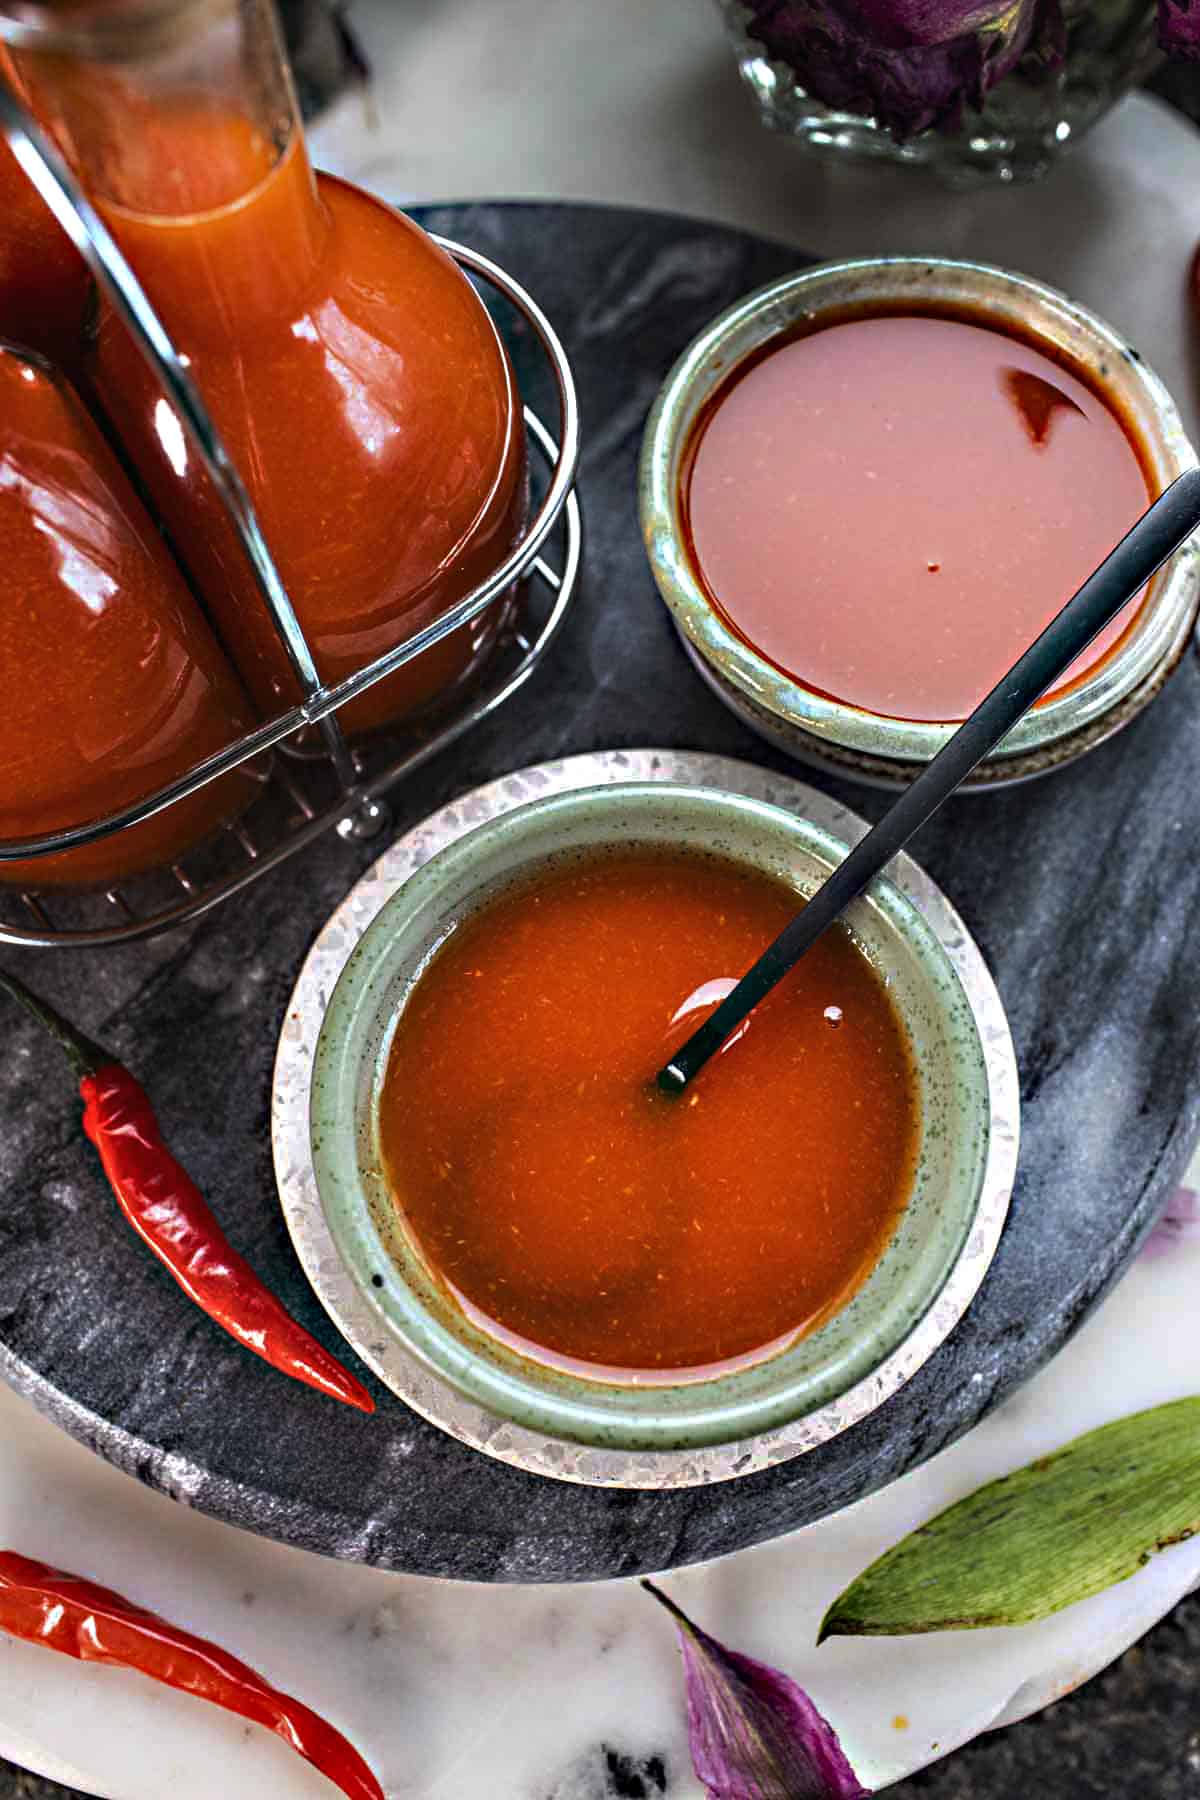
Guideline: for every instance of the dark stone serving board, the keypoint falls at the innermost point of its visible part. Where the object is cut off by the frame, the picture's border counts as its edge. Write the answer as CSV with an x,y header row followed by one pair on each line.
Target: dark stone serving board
x,y
1081,890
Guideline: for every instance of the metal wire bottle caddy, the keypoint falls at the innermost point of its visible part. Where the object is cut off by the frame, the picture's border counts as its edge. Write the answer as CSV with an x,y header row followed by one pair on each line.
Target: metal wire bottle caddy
x,y
301,797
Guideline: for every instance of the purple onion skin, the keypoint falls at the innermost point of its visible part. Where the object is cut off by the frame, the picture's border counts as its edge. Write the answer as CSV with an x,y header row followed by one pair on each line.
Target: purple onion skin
x,y
1178,1225
753,1731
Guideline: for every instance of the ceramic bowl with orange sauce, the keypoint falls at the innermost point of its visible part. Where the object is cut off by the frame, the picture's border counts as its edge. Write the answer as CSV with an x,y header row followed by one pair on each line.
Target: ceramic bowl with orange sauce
x,y
481,1172
867,487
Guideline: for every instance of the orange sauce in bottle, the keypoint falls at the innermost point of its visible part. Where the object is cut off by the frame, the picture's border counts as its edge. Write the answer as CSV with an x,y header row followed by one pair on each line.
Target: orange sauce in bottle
x,y
585,1217
43,279
113,684
359,385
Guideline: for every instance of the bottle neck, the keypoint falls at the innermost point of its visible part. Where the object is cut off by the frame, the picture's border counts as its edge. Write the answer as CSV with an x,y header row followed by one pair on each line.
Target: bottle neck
x,y
191,147
228,268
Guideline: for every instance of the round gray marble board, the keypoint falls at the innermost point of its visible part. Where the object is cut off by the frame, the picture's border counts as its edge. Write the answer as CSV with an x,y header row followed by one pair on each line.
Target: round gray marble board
x,y
1080,889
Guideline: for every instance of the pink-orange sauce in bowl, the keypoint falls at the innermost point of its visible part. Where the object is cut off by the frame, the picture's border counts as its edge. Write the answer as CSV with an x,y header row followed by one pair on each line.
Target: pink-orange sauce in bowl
x,y
867,488
891,509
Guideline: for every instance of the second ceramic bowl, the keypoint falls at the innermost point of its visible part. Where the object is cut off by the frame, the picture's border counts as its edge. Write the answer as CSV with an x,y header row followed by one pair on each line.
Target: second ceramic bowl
x,y
811,726
406,1298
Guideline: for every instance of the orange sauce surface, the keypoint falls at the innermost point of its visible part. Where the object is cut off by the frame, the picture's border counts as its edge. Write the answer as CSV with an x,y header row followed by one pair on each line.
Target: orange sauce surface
x,y
113,682
582,1213
360,388
891,508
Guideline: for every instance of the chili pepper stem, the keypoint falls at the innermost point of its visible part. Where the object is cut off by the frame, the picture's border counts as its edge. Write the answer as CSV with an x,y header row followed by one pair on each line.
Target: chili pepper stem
x,y
84,1056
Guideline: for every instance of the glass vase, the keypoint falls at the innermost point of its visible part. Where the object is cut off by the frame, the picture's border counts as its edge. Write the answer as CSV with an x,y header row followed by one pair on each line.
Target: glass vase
x,y
1028,120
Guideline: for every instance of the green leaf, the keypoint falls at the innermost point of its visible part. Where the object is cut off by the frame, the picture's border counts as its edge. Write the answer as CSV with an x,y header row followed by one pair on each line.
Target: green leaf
x,y
1040,1539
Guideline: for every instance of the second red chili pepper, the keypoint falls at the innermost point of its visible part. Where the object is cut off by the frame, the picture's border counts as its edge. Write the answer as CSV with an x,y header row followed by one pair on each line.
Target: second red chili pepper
x,y
167,1210
78,1618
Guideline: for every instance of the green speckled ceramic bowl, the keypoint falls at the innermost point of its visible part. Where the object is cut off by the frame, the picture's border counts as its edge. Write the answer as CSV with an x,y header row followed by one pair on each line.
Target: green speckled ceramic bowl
x,y
410,1303
869,746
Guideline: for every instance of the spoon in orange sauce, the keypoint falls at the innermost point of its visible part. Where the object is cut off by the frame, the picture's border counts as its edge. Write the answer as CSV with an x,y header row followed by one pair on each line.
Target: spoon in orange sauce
x,y
1160,531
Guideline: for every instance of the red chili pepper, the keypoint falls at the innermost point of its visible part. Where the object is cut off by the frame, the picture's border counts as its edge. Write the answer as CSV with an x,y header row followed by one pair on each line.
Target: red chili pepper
x,y
170,1215
74,1616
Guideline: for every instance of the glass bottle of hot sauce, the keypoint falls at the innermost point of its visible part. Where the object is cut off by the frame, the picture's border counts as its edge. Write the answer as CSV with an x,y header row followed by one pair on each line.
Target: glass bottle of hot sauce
x,y
113,682
354,374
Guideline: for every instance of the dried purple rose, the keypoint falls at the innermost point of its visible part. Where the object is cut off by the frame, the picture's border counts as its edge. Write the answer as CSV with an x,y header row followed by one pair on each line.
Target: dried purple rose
x,y
1179,28
754,1733
912,64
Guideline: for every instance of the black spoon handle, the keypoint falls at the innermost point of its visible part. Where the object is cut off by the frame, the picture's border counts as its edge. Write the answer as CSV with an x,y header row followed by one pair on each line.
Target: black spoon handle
x,y
1172,519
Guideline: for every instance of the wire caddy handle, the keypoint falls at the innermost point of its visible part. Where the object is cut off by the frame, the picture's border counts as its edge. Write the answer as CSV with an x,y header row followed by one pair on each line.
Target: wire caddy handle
x,y
342,789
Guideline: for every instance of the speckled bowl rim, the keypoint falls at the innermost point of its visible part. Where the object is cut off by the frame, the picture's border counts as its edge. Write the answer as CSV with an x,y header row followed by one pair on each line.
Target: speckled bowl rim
x,y
434,1398
993,772
1030,307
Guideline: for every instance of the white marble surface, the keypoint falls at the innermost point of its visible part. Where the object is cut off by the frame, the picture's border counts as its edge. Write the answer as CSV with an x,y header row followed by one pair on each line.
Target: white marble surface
x,y
454,1691
459,1691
